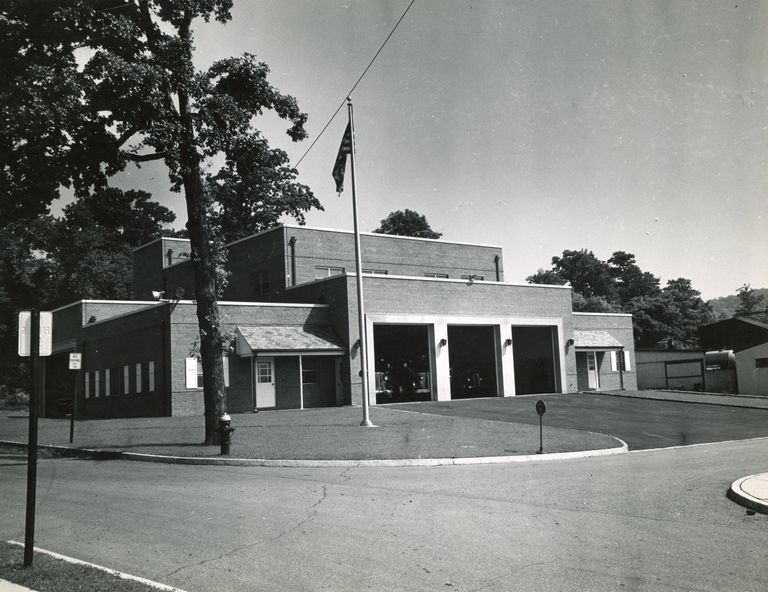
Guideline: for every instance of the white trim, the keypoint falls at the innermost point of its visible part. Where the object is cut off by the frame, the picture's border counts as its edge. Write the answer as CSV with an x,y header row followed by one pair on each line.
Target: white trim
x,y
76,302
350,274
603,314
162,238
505,387
119,574
297,352
614,361
627,361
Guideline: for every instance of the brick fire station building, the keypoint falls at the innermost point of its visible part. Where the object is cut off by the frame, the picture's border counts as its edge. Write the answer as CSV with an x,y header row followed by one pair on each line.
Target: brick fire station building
x,y
441,324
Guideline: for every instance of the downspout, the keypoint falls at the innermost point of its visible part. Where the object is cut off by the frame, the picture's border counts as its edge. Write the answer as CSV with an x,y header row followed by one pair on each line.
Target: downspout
x,y
292,245
496,260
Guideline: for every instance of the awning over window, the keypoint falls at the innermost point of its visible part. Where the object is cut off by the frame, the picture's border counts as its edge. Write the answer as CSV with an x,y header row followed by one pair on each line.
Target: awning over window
x,y
288,340
595,340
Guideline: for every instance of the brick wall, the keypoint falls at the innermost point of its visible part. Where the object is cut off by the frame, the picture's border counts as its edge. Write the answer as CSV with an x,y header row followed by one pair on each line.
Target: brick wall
x,y
619,326
397,255
184,343
138,338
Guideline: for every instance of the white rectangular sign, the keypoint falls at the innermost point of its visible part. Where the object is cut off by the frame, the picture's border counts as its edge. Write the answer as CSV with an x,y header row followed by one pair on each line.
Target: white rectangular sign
x,y
75,361
25,333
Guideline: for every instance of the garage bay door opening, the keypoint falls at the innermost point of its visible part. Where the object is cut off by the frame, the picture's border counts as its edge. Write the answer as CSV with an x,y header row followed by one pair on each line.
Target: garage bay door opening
x,y
472,358
535,360
402,364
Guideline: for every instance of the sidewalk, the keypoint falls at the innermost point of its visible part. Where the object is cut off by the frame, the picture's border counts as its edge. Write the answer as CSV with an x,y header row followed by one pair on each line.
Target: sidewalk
x,y
6,586
748,401
751,491
317,435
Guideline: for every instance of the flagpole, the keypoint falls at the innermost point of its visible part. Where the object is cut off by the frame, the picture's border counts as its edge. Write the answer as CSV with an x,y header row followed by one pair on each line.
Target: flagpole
x,y
359,265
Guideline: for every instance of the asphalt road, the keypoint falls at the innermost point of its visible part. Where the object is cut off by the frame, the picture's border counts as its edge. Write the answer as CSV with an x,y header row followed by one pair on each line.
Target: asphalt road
x,y
649,520
641,423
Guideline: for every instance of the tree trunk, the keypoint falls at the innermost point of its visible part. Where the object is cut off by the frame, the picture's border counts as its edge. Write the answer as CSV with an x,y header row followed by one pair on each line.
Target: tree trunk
x,y
202,258
207,307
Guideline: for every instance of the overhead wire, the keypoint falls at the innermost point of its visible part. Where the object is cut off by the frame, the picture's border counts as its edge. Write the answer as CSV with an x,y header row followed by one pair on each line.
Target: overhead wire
x,y
354,86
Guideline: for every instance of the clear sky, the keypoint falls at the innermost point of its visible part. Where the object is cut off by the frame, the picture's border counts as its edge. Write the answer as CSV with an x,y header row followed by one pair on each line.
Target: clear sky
x,y
537,126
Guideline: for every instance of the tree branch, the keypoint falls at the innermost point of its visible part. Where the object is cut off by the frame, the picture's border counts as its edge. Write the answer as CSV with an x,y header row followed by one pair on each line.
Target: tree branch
x,y
125,136
144,157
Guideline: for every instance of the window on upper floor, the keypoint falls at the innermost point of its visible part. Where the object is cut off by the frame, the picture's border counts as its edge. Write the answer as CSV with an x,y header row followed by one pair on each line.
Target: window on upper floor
x,y
473,277
326,271
376,271
437,275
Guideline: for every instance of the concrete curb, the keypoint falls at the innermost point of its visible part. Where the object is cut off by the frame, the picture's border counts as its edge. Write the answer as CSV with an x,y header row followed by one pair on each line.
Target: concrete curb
x,y
739,398
119,574
739,493
97,454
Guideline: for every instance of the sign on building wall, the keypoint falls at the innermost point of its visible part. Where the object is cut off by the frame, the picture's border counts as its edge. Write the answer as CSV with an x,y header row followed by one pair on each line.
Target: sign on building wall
x,y
75,361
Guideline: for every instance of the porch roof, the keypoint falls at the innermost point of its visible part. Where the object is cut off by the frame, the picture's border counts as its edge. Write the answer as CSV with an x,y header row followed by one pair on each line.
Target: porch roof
x,y
595,339
288,338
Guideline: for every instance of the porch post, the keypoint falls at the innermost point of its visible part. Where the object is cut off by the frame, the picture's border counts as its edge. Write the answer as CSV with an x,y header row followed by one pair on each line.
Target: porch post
x,y
301,382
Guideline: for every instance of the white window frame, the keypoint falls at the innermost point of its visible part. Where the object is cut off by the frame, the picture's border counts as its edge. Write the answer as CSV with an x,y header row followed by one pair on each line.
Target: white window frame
x,y
190,372
87,385
138,377
107,382
151,376
126,380
96,385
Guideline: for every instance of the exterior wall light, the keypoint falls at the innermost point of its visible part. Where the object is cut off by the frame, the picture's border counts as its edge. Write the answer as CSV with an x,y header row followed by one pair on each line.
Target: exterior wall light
x,y
570,342
508,341
443,342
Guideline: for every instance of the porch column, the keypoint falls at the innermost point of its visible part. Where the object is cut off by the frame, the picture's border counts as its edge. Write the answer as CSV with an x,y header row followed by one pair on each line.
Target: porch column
x,y
301,382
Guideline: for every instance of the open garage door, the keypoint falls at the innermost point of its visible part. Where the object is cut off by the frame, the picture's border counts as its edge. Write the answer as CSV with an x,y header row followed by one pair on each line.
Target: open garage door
x,y
472,357
535,363
402,363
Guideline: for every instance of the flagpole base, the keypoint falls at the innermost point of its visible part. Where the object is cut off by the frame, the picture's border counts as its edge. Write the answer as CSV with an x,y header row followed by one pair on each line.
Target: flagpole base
x,y
367,423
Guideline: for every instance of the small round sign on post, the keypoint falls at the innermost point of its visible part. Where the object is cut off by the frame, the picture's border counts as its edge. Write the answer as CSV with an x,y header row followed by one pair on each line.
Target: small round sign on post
x,y
541,408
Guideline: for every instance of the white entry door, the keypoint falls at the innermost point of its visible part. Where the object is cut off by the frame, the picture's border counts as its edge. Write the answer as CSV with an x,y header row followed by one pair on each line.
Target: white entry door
x,y
592,374
264,374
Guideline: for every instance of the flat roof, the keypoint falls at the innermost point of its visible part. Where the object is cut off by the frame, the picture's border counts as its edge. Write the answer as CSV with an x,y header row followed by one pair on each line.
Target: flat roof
x,y
319,229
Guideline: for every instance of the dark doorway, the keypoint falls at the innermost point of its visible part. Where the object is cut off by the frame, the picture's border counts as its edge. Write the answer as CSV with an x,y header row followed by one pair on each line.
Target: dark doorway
x,y
402,364
472,357
535,367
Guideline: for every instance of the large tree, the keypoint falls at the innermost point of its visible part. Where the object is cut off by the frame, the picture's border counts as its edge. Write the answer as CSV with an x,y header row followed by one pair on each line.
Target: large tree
x,y
667,317
407,223
91,86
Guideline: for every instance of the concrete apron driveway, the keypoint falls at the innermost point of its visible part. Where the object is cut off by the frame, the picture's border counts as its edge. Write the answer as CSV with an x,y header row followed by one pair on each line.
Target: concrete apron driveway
x,y
643,423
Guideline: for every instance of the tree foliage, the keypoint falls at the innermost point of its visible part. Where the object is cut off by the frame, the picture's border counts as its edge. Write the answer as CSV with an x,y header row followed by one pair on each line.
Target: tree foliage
x,y
90,86
86,253
407,223
751,304
662,317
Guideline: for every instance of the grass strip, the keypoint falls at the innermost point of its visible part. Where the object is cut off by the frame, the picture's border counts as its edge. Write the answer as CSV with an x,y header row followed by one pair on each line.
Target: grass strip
x,y
50,574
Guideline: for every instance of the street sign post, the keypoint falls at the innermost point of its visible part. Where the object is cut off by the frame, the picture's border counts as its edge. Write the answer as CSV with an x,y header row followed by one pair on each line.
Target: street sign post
x,y
75,363
541,409
31,340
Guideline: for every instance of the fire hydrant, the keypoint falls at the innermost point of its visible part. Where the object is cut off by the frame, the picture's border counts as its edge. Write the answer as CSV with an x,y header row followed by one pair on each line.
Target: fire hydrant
x,y
225,432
